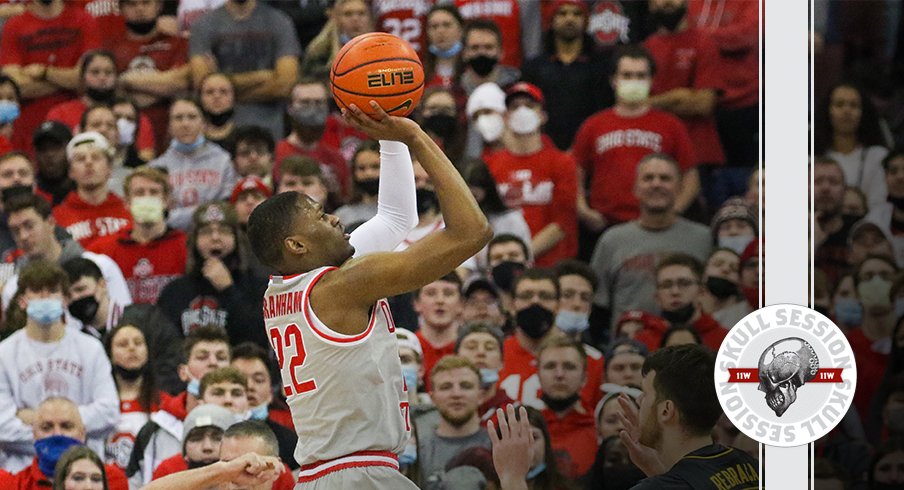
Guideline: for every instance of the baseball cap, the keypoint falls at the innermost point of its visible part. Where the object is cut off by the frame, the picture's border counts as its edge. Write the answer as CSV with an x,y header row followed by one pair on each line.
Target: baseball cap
x,y
51,131
524,88
88,139
625,345
207,415
480,284
486,96
249,183
407,338
579,3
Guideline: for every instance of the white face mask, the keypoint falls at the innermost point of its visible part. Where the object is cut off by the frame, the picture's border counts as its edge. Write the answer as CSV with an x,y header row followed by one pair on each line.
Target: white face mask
x,y
126,131
490,126
146,209
524,120
633,90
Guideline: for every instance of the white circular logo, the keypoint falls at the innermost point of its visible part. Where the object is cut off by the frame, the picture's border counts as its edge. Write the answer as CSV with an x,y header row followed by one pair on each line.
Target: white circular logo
x,y
785,375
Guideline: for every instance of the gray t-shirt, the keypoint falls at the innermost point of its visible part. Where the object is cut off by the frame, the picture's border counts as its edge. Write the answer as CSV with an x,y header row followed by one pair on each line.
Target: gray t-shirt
x,y
626,256
434,452
251,44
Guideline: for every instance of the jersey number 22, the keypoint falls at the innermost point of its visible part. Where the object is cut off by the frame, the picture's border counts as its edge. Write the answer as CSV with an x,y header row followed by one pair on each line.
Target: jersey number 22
x,y
284,345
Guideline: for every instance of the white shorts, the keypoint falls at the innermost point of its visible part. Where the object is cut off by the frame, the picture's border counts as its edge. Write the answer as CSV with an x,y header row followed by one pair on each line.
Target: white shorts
x,y
354,472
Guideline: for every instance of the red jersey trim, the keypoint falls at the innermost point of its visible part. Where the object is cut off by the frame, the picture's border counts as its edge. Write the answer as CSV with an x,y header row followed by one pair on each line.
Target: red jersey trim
x,y
329,335
360,459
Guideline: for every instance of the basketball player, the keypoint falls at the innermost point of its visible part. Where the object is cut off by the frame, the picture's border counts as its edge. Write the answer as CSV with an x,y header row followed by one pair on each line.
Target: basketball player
x,y
329,324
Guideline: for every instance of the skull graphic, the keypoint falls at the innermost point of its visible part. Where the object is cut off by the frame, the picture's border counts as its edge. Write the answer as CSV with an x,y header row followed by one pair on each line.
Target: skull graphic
x,y
784,367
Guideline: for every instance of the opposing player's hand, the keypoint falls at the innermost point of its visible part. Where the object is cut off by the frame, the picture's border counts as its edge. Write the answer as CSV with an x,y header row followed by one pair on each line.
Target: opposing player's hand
x,y
512,447
644,457
381,126
251,469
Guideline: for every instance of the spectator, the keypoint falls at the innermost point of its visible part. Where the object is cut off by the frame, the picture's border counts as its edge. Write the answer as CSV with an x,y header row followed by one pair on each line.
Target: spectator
x,y
429,217
866,239
519,23
885,214
562,367
734,225
721,295
481,54
253,362
10,102
79,466
40,50
439,116
486,123
128,125
411,356
438,305
482,345
52,167
27,378
442,62
254,153
347,20
624,360
304,175
855,205
887,469
608,424
642,242
365,166
832,226
577,282
92,211
149,253
482,304
536,177
507,257
847,311
405,20
202,435
216,94
17,176
102,119
633,321
248,193
263,72
199,171
569,72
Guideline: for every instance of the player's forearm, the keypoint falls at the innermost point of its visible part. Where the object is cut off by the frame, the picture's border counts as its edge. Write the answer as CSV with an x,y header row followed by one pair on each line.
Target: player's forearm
x,y
547,238
203,477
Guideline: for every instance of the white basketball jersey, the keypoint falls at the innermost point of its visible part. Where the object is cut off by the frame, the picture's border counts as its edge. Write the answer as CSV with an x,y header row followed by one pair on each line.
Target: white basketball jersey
x,y
346,392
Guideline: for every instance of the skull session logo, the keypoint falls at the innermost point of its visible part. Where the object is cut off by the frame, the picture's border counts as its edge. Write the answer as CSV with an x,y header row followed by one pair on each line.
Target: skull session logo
x,y
785,375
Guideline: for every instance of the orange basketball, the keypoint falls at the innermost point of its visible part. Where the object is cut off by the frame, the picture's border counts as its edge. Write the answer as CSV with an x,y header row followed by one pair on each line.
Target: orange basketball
x,y
380,67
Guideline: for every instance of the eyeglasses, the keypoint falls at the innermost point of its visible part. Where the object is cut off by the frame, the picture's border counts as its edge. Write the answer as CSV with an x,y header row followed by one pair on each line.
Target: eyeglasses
x,y
530,295
681,283
260,150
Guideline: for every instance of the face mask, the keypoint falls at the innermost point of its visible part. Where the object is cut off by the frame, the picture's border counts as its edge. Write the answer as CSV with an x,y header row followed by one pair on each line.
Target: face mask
x,y
874,292
219,119
572,322
721,288
848,312
84,309
129,374
188,147
146,209
9,111
344,38
409,455
681,315
409,373
490,126
142,28
524,120
371,187
446,53
504,274
100,94
488,377
45,312
49,450
126,131
426,200
633,90
194,387
736,243
535,321
560,405
668,19
310,117
45,2
897,202
199,464
16,190
535,471
443,125
260,412
483,64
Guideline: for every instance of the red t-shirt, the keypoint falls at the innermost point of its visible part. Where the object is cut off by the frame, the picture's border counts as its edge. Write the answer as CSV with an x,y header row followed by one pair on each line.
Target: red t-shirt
x,y
432,355
173,464
332,163
544,186
507,15
711,332
341,137
57,42
404,19
147,267
521,382
70,114
573,440
32,478
608,147
870,370
689,59
87,222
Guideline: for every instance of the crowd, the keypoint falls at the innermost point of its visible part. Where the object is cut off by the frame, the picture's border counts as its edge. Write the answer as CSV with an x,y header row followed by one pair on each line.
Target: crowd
x,y
612,145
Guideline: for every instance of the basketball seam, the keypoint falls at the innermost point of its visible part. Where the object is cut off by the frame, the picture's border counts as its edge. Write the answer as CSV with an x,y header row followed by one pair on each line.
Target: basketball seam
x,y
375,61
347,48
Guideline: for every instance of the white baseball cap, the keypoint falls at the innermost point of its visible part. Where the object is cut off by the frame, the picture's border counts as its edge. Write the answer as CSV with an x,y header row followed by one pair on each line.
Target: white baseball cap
x,y
88,139
407,338
486,96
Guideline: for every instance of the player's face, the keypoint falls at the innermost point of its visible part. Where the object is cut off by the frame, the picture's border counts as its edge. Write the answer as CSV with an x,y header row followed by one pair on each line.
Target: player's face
x,y
625,369
203,445
31,232
482,349
16,171
656,186
228,395
650,430
217,94
58,418
439,304
128,348
505,252
576,293
215,240
323,234
235,447
89,168
258,380
207,356
609,423
443,30
456,393
676,287
84,475
724,264
561,372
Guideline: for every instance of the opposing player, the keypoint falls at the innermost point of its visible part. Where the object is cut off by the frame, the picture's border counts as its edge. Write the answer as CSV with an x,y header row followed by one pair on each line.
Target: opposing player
x,y
330,326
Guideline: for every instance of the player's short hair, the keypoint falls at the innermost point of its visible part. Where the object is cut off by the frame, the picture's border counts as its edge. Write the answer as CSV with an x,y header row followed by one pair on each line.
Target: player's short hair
x,y
537,274
450,277
223,375
269,224
251,429
480,24
508,238
574,267
204,333
697,403
559,342
684,260
40,275
79,267
153,174
24,202
448,363
634,51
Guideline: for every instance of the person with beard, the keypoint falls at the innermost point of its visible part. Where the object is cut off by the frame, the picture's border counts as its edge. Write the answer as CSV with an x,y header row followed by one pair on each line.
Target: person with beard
x,y
365,184
536,177
439,118
220,286
216,93
481,344
17,176
202,434
571,74
455,390
670,436
721,296
678,289
254,153
51,165
562,368
309,113
889,216
482,49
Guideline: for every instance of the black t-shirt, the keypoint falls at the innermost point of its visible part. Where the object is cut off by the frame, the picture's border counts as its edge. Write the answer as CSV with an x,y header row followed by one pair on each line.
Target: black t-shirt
x,y
713,467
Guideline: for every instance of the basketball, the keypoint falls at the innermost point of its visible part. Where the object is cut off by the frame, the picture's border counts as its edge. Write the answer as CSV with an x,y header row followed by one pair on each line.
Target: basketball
x,y
380,67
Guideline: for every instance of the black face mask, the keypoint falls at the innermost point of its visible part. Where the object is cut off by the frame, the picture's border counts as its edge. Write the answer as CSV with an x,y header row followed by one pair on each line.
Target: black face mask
x,y
483,64
241,2
721,288
897,202
16,190
535,321
681,315
443,125
85,309
426,200
505,273
369,186
128,374
45,2
219,119
199,464
101,94
668,19
142,28
560,405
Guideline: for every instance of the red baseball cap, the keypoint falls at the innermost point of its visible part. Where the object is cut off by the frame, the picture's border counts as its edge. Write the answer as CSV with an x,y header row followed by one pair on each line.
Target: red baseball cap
x,y
578,3
524,88
250,183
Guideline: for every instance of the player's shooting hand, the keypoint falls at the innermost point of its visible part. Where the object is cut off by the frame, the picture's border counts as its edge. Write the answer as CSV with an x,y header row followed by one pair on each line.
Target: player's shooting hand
x,y
215,271
381,126
512,447
252,469
644,457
